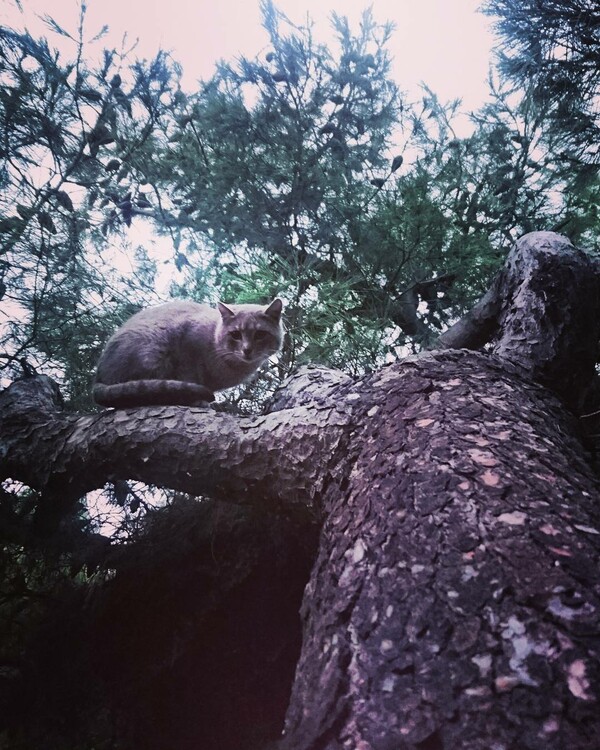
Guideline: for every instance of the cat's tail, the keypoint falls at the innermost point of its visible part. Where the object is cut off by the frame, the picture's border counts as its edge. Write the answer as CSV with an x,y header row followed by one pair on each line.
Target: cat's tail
x,y
151,393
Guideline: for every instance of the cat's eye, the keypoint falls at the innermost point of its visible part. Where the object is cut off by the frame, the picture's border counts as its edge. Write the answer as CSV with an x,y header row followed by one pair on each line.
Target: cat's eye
x,y
260,335
236,335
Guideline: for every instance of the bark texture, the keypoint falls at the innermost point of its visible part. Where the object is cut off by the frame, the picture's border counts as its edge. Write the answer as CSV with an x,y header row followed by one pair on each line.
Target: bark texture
x,y
542,312
281,459
454,601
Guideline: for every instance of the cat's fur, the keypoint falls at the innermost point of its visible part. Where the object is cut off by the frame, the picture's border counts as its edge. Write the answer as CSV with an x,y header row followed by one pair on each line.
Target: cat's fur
x,y
182,352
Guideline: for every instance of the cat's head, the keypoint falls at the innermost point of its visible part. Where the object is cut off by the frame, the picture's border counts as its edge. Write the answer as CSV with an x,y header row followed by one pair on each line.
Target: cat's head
x,y
250,333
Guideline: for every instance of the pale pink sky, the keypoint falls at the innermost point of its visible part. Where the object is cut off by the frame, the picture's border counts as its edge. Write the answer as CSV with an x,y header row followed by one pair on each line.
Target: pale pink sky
x,y
444,43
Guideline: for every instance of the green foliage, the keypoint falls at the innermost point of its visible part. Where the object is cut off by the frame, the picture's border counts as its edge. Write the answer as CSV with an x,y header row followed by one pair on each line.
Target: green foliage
x,y
302,173
553,49
270,167
66,126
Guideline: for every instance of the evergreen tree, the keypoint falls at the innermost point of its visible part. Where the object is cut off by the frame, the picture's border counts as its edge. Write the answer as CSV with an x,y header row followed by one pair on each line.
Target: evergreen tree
x,y
274,168
279,176
304,173
72,132
554,48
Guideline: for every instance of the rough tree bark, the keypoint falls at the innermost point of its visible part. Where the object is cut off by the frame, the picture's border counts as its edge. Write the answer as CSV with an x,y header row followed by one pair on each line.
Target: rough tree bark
x,y
454,601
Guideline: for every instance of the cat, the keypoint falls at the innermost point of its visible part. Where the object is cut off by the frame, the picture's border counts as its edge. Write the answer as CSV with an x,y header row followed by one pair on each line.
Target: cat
x,y
181,352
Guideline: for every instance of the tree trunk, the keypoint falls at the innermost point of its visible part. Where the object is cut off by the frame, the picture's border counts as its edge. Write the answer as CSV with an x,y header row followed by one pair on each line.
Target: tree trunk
x,y
454,599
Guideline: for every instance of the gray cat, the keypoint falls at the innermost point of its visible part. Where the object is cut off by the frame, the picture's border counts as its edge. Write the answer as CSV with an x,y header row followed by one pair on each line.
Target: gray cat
x,y
182,352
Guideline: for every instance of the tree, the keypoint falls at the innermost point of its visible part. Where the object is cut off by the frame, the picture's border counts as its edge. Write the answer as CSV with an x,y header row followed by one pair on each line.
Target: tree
x,y
452,598
282,178
278,176
551,50
274,167
553,47
74,132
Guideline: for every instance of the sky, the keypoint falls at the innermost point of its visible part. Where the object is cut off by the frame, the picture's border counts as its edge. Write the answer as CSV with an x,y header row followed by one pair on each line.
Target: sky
x,y
444,43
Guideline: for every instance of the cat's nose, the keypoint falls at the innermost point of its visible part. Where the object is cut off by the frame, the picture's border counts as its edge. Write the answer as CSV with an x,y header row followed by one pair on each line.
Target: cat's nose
x,y
247,351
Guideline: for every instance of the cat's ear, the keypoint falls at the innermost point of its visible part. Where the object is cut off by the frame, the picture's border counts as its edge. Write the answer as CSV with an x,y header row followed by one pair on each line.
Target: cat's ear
x,y
274,310
226,312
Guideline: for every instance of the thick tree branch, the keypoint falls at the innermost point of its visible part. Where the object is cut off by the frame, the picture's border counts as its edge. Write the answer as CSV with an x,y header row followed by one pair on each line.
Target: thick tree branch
x,y
479,325
542,312
280,458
